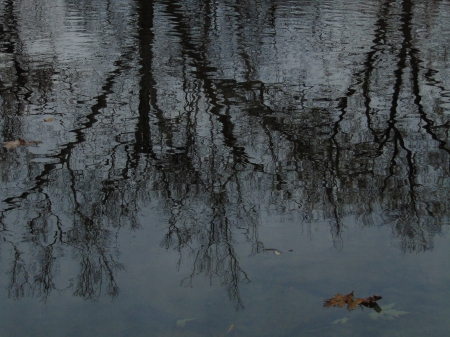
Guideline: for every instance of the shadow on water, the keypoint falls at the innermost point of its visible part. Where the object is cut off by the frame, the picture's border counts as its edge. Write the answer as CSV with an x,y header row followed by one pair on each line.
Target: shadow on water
x,y
215,117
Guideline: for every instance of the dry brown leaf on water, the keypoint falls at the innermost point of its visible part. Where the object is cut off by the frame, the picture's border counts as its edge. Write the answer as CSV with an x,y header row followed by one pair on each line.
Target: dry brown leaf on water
x,y
49,119
20,142
351,305
370,300
12,144
338,300
351,302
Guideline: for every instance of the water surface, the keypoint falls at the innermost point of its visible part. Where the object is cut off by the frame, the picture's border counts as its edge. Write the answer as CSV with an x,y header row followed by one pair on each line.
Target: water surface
x,y
234,163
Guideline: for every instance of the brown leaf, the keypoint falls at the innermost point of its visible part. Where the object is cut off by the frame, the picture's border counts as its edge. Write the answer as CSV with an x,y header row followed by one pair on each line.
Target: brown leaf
x,y
20,142
354,303
49,119
371,299
338,300
12,144
351,301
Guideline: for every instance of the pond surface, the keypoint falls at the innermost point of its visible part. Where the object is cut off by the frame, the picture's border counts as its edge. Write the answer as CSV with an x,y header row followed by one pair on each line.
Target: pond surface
x,y
201,168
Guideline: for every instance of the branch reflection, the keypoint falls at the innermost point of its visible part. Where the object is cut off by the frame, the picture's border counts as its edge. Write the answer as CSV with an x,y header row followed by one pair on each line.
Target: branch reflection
x,y
216,114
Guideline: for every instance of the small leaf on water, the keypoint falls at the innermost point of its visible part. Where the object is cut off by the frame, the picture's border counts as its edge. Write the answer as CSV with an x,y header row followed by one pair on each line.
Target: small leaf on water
x,y
49,119
20,142
230,328
11,145
276,252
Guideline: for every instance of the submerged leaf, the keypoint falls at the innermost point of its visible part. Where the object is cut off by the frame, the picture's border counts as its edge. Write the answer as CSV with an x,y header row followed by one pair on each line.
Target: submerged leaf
x,y
388,306
230,328
387,312
342,320
182,322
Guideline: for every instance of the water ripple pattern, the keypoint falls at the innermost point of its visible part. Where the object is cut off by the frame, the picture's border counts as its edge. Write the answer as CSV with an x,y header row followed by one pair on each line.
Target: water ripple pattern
x,y
196,167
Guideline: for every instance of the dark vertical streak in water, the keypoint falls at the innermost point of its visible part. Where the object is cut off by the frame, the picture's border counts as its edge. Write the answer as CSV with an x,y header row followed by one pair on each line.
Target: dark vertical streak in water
x,y
415,74
197,53
13,45
240,15
397,137
336,230
148,98
379,41
11,105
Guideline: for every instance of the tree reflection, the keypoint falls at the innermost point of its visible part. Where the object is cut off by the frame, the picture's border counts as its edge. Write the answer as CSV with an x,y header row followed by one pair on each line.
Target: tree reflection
x,y
19,277
224,125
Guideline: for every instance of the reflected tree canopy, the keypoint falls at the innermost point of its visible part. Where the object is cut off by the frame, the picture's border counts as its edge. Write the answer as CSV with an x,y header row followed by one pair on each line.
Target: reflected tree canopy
x,y
214,114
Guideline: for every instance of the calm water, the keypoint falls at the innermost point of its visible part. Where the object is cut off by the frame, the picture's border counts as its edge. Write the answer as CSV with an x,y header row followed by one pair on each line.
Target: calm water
x,y
201,168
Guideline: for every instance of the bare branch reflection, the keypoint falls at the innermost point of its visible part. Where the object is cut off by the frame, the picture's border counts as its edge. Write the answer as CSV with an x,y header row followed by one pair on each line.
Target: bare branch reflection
x,y
217,116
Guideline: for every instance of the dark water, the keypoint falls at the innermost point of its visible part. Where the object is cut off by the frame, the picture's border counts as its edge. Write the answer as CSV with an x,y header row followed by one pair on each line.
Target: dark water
x,y
236,162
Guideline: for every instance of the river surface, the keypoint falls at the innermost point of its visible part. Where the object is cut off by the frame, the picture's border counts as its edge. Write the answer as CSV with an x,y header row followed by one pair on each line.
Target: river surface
x,y
222,168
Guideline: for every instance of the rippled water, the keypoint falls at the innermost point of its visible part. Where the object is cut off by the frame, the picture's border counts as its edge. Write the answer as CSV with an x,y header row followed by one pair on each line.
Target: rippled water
x,y
197,168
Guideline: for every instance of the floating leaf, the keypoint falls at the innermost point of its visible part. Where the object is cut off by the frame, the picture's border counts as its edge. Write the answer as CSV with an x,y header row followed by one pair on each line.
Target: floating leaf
x,y
20,142
12,144
182,322
338,300
49,119
352,302
277,252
